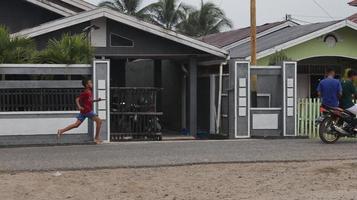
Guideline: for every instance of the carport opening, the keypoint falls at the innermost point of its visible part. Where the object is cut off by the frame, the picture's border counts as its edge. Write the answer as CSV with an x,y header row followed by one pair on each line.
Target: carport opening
x,y
147,99
312,70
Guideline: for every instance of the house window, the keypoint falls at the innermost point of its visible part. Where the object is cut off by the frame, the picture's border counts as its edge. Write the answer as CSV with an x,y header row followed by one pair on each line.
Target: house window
x,y
120,41
330,40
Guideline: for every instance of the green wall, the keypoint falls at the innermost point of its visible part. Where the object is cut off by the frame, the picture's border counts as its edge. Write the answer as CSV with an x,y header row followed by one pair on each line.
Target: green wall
x,y
346,47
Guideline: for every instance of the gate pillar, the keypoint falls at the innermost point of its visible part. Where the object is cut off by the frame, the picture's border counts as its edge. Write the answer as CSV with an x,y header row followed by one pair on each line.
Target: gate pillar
x,y
290,98
101,89
239,99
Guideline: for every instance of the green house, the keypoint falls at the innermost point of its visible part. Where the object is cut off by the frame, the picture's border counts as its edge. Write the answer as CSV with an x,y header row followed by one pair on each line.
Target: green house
x,y
314,46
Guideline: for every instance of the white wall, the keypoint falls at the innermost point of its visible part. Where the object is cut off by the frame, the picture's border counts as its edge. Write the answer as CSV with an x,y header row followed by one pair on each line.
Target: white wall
x,y
41,125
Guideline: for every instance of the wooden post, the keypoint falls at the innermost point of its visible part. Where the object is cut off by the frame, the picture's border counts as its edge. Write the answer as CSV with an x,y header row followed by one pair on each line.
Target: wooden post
x,y
253,51
253,32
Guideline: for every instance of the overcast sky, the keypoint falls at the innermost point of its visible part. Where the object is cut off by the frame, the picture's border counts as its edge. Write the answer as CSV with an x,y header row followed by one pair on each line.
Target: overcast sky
x,y
275,10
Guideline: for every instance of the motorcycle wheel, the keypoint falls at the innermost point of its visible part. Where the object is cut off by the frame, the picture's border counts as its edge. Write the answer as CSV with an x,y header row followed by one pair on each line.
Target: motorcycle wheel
x,y
326,133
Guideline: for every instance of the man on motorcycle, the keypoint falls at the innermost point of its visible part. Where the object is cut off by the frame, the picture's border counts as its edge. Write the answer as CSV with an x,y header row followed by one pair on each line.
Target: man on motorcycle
x,y
349,92
330,89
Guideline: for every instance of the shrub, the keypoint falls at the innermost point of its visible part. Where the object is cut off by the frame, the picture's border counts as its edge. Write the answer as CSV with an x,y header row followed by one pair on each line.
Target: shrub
x,y
15,49
278,57
70,49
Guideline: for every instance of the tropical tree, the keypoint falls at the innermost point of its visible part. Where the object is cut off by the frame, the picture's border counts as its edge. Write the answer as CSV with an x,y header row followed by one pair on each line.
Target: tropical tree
x,y
129,7
15,49
70,49
278,57
166,13
208,19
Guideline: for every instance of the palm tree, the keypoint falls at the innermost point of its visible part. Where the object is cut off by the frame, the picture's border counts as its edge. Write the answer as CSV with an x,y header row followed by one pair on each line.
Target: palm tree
x,y
207,20
166,13
15,49
70,49
129,7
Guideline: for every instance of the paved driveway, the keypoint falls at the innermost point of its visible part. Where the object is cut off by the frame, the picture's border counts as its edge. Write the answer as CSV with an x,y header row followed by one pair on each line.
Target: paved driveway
x,y
143,154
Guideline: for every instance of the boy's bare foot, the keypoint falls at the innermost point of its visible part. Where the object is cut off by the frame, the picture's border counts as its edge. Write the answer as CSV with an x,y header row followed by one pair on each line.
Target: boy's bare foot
x,y
58,134
97,141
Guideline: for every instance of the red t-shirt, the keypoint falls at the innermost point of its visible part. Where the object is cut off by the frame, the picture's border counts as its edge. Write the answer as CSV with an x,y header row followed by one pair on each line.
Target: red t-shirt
x,y
86,101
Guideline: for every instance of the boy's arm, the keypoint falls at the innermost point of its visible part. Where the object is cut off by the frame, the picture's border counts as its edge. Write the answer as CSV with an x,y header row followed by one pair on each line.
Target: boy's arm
x,y
97,100
339,90
78,104
318,89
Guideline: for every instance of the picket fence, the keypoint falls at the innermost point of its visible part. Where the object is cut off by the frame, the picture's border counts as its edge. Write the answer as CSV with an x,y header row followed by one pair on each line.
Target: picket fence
x,y
308,112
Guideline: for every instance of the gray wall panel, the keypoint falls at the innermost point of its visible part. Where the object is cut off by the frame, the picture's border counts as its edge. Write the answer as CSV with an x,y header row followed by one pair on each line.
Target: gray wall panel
x,y
145,44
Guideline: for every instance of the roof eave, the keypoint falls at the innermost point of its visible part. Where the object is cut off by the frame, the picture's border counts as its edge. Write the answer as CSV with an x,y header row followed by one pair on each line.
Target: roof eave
x,y
333,27
131,21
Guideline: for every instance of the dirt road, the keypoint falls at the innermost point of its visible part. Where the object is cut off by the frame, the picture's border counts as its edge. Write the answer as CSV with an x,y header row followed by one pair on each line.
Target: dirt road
x,y
297,180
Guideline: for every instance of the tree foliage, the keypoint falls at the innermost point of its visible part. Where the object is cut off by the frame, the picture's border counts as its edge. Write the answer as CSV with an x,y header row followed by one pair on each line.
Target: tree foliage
x,y
70,49
167,13
129,7
15,49
174,15
208,19
278,57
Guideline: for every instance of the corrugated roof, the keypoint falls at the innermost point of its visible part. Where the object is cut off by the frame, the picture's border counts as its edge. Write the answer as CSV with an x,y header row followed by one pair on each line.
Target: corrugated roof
x,y
279,37
353,3
226,38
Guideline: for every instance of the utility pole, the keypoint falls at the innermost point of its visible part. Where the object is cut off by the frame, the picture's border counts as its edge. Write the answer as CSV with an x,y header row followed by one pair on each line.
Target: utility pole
x,y
253,31
253,51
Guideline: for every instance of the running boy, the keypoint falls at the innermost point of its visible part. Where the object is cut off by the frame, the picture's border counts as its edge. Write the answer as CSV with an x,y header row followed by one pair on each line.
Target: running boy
x,y
85,106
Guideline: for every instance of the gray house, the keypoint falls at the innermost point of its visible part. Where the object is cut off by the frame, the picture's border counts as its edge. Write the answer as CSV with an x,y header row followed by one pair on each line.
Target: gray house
x,y
141,55
195,86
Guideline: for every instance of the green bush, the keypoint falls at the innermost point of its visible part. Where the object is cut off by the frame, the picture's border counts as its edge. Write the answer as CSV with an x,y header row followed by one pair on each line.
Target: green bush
x,y
15,49
278,57
70,49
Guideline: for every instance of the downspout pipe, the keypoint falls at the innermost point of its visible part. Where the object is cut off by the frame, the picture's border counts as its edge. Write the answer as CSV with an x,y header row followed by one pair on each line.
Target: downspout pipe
x,y
220,88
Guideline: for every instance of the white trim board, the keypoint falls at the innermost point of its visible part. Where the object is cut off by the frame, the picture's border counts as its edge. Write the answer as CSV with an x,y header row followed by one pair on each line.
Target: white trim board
x,y
125,19
305,38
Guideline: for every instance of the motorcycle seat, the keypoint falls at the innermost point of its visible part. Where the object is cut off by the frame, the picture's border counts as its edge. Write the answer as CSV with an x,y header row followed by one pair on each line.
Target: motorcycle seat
x,y
348,112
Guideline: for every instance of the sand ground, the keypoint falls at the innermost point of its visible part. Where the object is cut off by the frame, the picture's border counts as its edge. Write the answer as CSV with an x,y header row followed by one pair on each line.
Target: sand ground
x,y
294,180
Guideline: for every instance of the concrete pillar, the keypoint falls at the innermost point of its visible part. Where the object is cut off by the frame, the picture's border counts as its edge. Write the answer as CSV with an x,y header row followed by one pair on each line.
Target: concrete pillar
x,y
193,96
239,99
290,98
101,89
184,101
213,108
158,82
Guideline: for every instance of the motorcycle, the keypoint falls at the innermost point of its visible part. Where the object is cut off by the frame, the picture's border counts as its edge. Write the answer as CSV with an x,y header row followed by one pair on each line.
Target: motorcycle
x,y
335,123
